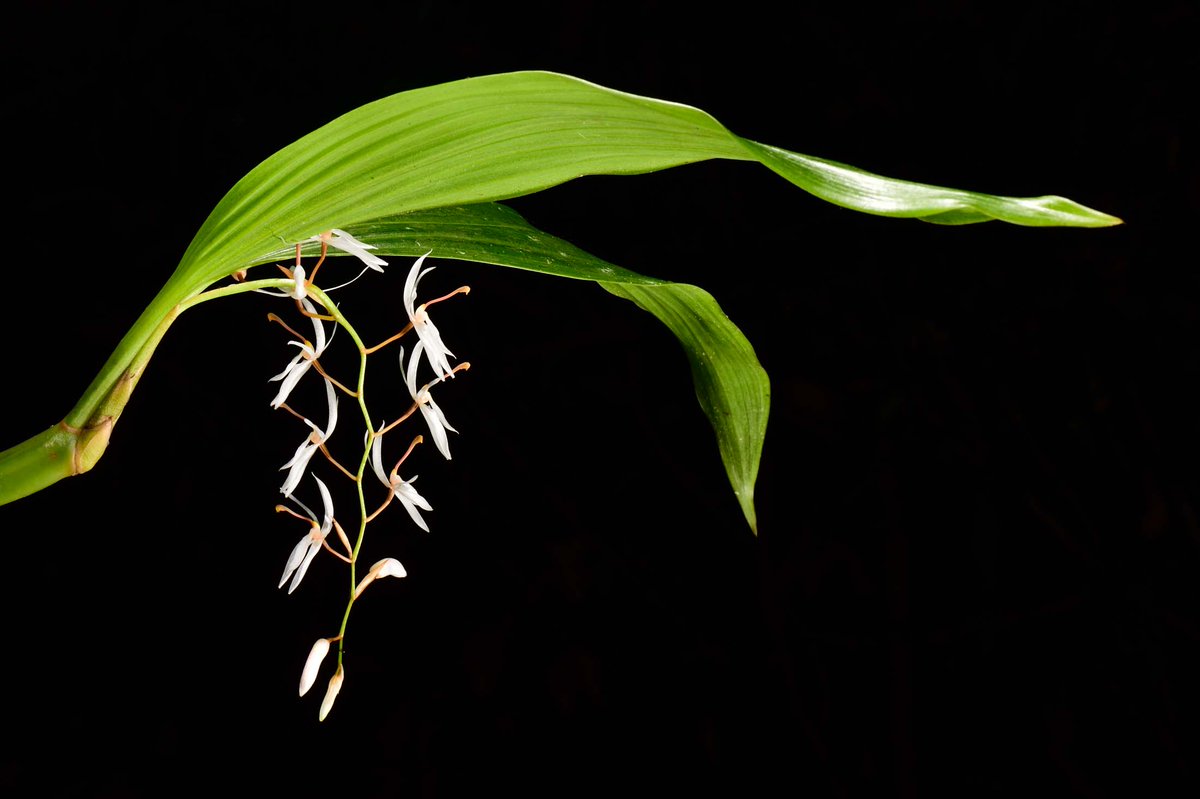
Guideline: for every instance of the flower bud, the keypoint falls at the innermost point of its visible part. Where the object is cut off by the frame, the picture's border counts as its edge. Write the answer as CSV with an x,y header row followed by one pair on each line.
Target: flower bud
x,y
335,685
388,567
317,654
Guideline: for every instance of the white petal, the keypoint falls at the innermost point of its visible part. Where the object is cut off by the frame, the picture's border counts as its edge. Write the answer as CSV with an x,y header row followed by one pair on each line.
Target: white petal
x,y
302,450
331,398
348,244
424,400
435,351
389,567
287,369
298,464
299,291
441,417
410,499
417,499
319,339
327,522
298,553
351,240
437,428
410,375
410,288
311,666
292,374
377,458
313,548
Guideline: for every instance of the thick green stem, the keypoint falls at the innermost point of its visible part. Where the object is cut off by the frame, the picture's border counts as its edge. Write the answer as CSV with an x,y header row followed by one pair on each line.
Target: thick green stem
x,y
39,462
74,445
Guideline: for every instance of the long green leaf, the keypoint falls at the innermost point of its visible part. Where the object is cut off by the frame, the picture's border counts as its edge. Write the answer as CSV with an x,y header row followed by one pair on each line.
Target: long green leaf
x,y
502,136
731,385
474,141
496,137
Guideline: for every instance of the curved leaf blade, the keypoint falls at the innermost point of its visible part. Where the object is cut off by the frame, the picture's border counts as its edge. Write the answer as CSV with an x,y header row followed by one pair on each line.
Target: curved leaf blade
x,y
864,191
731,385
502,136
491,138
487,233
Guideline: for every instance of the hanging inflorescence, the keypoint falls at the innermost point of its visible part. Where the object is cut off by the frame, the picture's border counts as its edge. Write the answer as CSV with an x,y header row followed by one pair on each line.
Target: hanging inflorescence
x,y
429,354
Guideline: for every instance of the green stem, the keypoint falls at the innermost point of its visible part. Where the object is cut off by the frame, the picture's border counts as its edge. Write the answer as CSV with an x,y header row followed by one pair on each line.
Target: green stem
x,y
332,309
76,444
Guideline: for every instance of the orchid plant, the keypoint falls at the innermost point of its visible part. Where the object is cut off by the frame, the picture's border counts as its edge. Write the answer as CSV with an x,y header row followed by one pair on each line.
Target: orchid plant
x,y
419,175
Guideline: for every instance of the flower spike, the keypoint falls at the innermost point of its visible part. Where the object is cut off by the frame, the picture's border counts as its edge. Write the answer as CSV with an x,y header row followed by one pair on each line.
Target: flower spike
x,y
307,298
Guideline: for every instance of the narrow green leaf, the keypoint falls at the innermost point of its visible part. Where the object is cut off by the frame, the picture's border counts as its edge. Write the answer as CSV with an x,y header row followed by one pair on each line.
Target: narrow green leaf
x,y
488,233
502,136
874,194
492,138
730,384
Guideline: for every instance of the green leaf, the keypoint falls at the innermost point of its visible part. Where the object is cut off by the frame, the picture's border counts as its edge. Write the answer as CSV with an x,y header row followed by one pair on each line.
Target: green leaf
x,y
487,233
485,139
731,385
502,136
874,194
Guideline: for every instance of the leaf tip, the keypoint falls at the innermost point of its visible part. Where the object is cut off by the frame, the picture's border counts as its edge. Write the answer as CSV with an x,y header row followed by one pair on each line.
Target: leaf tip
x,y
746,500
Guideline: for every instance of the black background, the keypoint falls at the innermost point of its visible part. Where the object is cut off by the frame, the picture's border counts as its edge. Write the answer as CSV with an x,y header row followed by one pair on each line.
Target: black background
x,y
977,565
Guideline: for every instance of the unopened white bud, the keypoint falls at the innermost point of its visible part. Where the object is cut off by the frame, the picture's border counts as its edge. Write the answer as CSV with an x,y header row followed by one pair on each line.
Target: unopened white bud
x,y
301,290
388,567
335,685
311,666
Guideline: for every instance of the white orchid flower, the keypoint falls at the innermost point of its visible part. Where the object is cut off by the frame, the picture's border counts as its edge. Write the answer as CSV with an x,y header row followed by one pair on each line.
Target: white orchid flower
x,y
299,366
308,546
298,465
424,400
403,489
341,240
435,350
